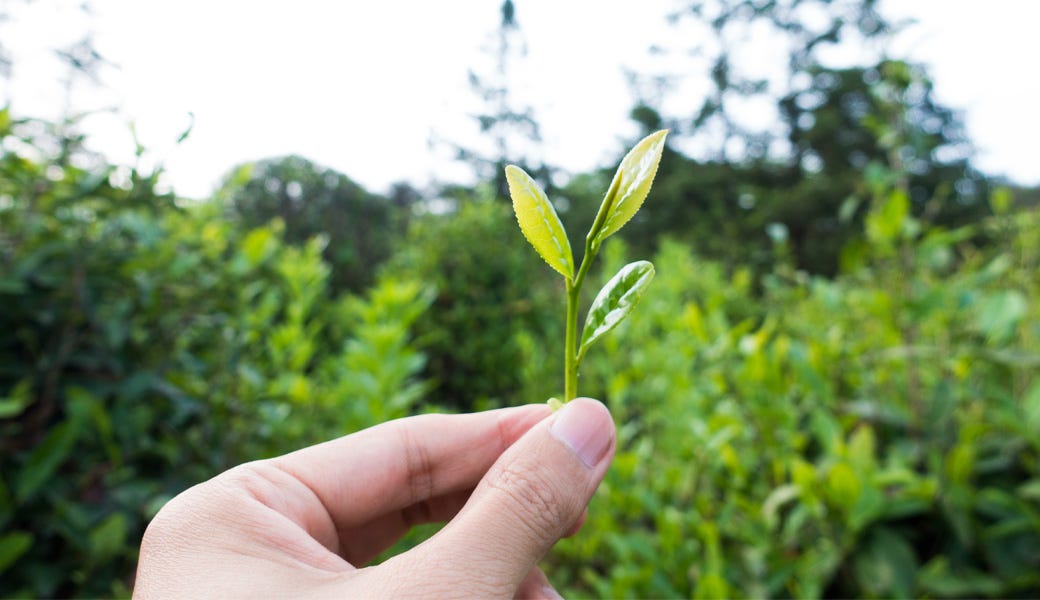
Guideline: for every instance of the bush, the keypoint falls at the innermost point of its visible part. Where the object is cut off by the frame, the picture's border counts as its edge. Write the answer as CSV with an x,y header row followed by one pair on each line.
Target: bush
x,y
145,347
875,435
494,311
311,200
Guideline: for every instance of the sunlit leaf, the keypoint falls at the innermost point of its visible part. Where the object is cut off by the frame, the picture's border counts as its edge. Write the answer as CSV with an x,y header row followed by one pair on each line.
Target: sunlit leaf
x,y
1031,408
15,403
843,485
12,546
999,313
886,221
631,184
108,538
539,222
613,303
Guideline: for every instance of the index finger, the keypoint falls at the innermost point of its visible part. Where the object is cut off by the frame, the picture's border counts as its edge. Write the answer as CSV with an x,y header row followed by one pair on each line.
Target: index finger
x,y
400,463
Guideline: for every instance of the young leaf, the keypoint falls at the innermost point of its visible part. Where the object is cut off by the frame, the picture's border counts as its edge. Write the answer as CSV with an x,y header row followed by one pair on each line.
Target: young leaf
x,y
630,186
539,222
615,301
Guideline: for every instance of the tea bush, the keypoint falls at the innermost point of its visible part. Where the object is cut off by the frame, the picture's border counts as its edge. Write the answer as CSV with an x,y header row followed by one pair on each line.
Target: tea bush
x,y
875,435
145,347
494,310
779,434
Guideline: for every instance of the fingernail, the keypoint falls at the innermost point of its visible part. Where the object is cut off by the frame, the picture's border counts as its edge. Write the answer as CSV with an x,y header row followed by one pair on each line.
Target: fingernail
x,y
581,426
551,593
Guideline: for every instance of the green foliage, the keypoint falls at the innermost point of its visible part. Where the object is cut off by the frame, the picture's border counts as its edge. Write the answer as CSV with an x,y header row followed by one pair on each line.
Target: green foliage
x,y
145,347
493,310
311,200
871,435
781,433
851,133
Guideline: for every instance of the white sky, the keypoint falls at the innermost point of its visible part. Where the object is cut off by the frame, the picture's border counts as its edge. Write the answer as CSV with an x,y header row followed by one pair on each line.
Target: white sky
x,y
342,83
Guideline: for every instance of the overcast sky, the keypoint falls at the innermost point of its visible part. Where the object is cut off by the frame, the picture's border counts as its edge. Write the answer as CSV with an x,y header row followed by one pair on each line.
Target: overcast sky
x,y
342,83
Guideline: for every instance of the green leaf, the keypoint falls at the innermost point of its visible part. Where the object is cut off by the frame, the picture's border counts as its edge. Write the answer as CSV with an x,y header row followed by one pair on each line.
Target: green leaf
x,y
630,186
108,538
1000,201
1031,407
861,449
539,222
46,458
20,397
12,546
775,501
613,303
885,222
870,505
885,565
843,485
999,313
938,578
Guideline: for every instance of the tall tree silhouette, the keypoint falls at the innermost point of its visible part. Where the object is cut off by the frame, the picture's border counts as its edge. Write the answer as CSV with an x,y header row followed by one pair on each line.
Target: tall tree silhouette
x,y
509,129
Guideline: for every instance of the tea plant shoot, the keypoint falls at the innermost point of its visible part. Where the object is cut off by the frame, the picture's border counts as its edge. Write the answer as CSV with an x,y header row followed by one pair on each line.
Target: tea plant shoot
x,y
542,227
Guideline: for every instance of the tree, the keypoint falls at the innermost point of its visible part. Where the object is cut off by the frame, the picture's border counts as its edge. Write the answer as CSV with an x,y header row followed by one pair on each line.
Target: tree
x,y
312,200
795,36
511,127
853,130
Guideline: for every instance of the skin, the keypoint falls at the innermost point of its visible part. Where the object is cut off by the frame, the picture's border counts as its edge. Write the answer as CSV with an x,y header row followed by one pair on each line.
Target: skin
x,y
510,483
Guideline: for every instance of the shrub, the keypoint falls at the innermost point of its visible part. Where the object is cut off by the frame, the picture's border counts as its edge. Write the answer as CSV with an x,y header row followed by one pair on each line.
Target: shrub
x,y
145,347
493,308
873,435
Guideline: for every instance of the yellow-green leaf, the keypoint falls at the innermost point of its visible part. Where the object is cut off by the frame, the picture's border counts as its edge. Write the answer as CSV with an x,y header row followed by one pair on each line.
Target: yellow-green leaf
x,y
539,222
631,184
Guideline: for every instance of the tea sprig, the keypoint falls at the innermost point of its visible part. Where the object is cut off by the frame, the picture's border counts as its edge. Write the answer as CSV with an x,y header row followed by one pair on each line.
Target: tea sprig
x,y
543,229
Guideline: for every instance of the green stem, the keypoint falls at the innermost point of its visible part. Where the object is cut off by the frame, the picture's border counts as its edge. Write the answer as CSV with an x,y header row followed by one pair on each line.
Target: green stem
x,y
570,352
570,369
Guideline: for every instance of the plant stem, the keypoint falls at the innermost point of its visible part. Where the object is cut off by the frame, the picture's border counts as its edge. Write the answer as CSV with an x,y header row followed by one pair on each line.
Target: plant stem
x,y
570,369
570,351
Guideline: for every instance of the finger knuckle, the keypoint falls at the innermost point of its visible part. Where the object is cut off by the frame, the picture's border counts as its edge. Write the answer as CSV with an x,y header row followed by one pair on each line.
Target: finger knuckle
x,y
534,498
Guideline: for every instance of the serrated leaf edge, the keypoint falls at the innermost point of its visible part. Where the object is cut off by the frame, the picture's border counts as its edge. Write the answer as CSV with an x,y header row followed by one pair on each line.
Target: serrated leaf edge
x,y
651,148
626,303
566,268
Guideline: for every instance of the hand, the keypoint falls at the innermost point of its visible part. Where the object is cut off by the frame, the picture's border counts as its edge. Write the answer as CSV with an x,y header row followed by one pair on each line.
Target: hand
x,y
511,482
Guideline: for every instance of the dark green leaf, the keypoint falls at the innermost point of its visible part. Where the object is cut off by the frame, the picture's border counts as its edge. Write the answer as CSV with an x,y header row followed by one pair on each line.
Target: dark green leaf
x,y
45,459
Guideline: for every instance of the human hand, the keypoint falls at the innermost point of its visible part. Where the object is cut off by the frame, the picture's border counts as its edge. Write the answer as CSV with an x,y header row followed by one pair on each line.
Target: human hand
x,y
510,482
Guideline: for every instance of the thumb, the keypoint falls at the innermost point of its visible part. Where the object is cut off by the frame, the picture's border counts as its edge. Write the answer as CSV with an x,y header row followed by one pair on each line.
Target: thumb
x,y
527,501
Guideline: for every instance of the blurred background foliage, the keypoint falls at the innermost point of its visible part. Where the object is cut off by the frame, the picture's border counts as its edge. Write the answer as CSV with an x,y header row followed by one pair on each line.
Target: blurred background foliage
x,y
831,389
